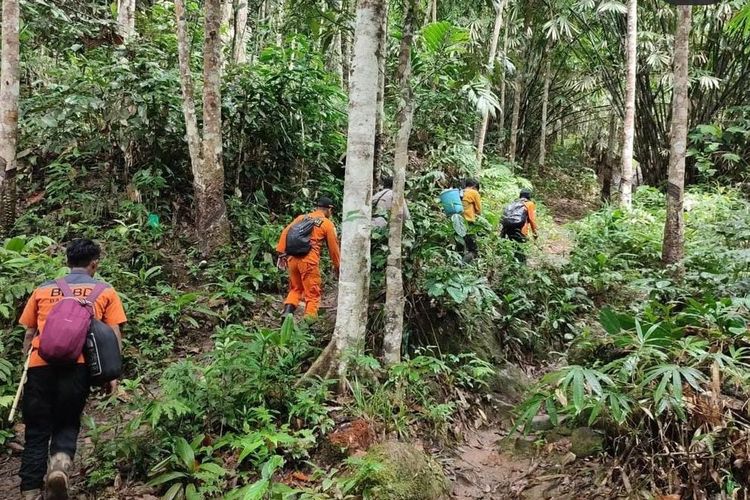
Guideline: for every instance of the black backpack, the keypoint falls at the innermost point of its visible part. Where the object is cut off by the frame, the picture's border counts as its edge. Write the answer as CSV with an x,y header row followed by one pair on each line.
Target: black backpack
x,y
102,353
515,215
298,242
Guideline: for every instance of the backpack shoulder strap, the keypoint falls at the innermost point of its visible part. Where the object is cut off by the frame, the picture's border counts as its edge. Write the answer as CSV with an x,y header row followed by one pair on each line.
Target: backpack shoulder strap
x,y
96,292
64,287
319,221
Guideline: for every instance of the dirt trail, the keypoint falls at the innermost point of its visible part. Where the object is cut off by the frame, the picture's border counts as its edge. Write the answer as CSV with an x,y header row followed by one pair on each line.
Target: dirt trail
x,y
483,467
491,465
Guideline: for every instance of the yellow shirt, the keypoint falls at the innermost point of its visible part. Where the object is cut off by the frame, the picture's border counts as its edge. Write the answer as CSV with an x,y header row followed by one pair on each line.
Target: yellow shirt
x,y
472,204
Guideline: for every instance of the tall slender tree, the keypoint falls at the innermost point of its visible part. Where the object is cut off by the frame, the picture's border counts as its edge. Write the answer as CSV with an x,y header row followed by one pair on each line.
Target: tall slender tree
x,y
9,96
126,19
628,128
351,318
545,105
503,87
380,117
484,122
239,43
515,117
673,248
211,221
394,293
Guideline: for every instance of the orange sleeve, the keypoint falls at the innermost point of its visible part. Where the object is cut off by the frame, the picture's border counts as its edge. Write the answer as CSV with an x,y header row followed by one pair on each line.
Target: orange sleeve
x,y
333,243
532,216
281,246
478,203
114,313
29,315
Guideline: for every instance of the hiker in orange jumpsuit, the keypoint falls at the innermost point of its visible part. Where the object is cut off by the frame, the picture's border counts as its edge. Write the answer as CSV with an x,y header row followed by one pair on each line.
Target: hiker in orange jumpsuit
x,y
521,235
304,270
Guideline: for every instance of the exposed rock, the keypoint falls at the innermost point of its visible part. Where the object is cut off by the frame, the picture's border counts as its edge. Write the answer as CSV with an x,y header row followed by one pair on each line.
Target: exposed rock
x,y
406,474
585,442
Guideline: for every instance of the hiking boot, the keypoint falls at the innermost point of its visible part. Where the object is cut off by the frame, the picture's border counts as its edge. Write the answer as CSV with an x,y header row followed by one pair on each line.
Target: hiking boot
x,y
56,486
32,494
288,309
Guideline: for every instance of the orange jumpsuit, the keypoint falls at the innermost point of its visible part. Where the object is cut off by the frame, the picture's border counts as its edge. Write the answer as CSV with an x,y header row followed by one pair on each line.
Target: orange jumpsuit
x,y
304,272
531,219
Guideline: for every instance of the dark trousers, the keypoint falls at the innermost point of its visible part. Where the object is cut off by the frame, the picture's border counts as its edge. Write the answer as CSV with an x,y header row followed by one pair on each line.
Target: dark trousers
x,y
53,401
517,236
470,243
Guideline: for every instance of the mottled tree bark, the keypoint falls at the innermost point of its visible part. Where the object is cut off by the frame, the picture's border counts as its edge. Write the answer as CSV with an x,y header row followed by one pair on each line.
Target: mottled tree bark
x,y
380,117
9,96
241,34
394,293
628,132
126,19
674,228
351,319
211,221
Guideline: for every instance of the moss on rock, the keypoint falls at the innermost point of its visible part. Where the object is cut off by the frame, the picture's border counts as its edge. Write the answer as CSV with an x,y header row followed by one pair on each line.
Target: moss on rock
x,y
406,473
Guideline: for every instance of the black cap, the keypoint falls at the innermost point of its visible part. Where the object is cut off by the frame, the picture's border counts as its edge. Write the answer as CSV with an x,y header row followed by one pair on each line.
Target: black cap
x,y
526,193
325,202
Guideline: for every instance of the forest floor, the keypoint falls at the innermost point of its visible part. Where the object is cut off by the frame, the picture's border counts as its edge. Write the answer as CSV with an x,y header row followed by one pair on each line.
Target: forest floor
x,y
492,462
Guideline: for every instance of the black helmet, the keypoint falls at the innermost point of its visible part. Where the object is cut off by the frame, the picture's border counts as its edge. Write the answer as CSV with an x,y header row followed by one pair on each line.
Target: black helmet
x,y
526,193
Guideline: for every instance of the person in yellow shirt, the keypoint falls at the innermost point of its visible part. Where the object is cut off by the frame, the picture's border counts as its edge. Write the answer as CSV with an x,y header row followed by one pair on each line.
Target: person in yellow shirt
x,y
472,202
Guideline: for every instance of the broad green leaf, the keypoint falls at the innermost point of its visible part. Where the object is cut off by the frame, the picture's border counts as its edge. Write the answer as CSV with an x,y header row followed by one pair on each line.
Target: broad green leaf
x,y
609,320
185,452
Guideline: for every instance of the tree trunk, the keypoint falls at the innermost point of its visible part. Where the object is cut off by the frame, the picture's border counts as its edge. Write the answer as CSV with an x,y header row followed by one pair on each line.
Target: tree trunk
x,y
673,249
351,319
239,44
503,81
609,160
380,127
9,95
482,132
545,105
226,29
394,292
346,46
515,118
126,19
213,223
186,84
628,133
334,61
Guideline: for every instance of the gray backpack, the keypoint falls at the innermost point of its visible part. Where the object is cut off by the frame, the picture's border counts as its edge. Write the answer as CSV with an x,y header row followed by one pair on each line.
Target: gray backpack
x,y
298,238
515,215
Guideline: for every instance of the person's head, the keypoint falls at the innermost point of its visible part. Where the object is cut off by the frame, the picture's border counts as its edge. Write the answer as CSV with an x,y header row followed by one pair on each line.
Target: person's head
x,y
525,194
387,182
325,205
472,183
83,254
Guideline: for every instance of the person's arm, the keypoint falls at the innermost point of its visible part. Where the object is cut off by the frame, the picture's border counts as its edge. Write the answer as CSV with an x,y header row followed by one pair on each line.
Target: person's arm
x,y
532,218
333,244
30,334
114,316
29,320
478,203
281,246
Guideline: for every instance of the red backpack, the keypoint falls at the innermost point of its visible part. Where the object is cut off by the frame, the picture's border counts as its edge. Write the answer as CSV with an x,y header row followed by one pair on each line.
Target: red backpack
x,y
64,334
